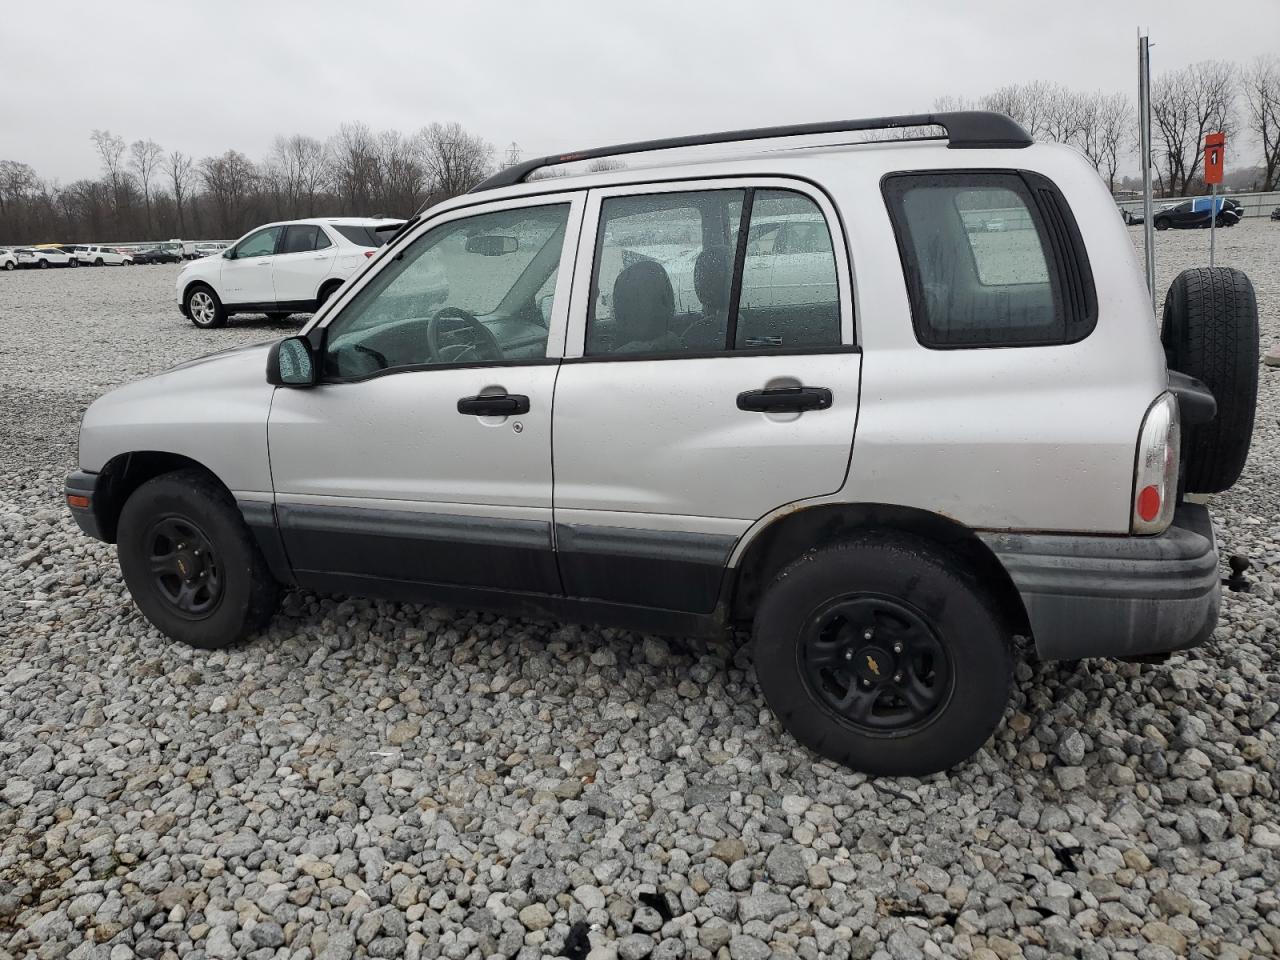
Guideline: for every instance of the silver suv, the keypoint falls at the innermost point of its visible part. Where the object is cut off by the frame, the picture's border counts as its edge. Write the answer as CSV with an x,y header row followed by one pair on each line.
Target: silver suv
x,y
809,390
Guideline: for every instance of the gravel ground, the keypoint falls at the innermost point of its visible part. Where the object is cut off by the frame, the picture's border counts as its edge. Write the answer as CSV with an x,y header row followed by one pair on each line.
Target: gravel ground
x,y
385,780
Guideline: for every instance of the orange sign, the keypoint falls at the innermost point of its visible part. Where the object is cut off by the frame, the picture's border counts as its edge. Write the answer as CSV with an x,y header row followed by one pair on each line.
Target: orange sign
x,y
1215,144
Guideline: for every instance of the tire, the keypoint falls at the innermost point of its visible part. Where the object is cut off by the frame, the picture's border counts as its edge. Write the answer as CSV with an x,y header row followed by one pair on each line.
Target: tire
x,y
98,262
44,264
73,262
188,516
1210,331
887,582
11,266
206,312
1161,223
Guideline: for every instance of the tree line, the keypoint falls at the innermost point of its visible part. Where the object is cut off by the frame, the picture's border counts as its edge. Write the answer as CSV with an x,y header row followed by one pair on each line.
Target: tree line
x,y
146,191
1186,104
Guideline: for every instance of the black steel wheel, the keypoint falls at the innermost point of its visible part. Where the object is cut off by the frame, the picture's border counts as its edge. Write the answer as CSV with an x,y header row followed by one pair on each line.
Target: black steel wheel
x,y
184,566
191,563
883,653
875,662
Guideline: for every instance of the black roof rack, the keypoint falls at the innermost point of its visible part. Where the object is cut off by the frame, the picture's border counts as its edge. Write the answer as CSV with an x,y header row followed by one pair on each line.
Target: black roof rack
x,y
966,129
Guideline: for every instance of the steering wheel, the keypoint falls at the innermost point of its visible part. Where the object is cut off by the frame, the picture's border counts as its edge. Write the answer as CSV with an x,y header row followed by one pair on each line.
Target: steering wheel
x,y
455,336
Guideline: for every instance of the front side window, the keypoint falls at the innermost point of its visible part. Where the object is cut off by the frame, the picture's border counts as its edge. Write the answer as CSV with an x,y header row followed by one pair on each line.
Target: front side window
x,y
260,244
471,291
991,259
671,278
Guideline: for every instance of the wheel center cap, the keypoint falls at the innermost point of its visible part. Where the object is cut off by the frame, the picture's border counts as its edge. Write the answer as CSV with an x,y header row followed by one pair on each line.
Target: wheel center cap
x,y
189,565
873,663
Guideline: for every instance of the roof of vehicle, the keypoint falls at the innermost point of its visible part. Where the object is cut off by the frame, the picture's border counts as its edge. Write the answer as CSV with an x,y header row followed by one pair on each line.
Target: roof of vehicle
x,y
821,162
963,129
335,221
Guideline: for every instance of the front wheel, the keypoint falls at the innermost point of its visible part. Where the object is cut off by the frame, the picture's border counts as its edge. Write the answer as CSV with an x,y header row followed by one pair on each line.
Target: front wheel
x,y
205,309
73,263
882,654
1162,224
191,564
44,264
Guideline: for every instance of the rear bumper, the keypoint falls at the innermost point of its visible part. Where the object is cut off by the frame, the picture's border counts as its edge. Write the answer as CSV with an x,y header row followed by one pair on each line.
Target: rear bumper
x,y
1089,596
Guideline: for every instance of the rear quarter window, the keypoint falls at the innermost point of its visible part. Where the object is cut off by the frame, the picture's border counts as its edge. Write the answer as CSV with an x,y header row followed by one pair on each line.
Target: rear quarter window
x,y
991,259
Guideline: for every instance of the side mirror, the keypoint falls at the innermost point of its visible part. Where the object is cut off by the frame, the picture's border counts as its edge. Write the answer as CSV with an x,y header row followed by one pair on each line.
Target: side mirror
x,y
229,253
291,363
492,245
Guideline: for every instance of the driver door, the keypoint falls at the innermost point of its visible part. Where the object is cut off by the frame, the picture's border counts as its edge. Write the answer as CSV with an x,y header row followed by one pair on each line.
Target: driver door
x,y
423,456
246,274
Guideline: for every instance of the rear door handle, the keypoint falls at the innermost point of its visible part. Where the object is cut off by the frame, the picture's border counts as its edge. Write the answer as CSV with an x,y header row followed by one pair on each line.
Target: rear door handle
x,y
785,399
499,405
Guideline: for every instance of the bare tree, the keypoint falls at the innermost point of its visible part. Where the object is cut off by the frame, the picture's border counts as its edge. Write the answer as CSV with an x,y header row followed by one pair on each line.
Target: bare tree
x,y
355,166
144,157
179,166
229,180
1262,94
401,182
1185,105
111,151
455,160
1106,122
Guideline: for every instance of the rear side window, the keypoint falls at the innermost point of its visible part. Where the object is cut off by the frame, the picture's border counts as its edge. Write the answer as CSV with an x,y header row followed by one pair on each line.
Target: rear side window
x,y
362,236
992,259
300,238
712,272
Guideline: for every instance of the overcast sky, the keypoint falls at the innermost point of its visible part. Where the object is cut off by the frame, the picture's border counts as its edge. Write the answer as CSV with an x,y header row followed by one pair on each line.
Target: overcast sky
x,y
207,75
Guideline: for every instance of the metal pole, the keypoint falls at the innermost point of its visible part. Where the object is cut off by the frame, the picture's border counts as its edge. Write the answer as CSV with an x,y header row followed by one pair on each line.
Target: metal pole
x,y
1144,158
1213,218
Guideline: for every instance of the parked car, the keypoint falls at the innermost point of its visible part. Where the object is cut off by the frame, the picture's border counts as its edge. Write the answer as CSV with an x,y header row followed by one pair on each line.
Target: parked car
x,y
99,256
44,257
886,498
281,268
210,249
167,252
1197,213
8,261
1275,214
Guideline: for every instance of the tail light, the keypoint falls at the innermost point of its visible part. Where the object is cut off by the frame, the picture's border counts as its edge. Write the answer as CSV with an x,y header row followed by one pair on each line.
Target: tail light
x,y
1155,474
369,253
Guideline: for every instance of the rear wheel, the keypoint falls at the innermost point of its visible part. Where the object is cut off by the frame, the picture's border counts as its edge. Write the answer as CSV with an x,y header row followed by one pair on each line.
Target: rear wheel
x,y
326,292
204,308
98,262
881,654
1161,223
191,563
1210,332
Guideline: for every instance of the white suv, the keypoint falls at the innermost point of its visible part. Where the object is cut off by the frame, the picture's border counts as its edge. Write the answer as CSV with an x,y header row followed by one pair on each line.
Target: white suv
x,y
887,456
98,256
279,269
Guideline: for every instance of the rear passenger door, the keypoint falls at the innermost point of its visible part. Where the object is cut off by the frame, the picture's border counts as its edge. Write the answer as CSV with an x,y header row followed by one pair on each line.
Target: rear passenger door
x,y
304,259
690,403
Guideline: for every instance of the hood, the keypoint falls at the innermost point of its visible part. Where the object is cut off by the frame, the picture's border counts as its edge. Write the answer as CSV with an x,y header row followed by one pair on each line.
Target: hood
x,y
263,348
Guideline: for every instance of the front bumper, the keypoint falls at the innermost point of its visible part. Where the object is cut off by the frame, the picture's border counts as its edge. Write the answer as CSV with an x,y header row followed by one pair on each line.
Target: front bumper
x,y
1090,596
81,491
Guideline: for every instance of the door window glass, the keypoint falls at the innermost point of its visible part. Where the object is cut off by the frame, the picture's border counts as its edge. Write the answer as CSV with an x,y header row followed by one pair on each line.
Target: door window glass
x,y
260,244
300,238
663,273
668,267
472,291
790,297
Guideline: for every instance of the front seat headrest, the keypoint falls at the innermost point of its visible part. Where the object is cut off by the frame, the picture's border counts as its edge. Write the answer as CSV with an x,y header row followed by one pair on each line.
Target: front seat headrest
x,y
644,303
712,273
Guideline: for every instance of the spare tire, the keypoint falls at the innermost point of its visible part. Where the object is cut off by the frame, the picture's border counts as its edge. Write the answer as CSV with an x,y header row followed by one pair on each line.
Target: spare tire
x,y
1210,332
